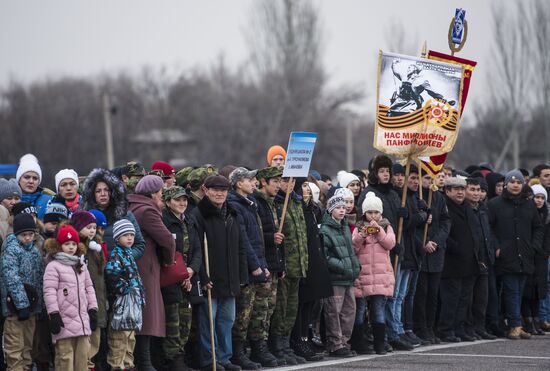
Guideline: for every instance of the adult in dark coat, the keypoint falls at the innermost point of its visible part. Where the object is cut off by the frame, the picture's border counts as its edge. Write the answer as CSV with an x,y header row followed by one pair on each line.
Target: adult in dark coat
x,y
316,285
217,221
460,266
429,278
518,233
159,249
536,287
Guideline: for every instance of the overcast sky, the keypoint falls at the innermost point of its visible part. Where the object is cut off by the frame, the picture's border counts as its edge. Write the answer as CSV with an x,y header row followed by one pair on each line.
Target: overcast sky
x,y
40,39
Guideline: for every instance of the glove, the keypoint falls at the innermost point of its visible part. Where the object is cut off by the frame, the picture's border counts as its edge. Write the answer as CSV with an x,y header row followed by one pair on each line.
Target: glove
x,y
397,249
92,313
403,212
261,278
56,323
23,314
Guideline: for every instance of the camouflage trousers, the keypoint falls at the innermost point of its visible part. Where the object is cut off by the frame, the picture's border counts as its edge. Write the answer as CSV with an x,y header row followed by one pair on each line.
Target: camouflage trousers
x,y
252,308
286,307
178,326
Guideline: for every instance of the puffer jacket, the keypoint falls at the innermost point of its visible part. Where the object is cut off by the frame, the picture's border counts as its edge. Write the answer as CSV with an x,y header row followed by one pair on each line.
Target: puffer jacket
x,y
21,265
39,199
72,295
342,262
376,276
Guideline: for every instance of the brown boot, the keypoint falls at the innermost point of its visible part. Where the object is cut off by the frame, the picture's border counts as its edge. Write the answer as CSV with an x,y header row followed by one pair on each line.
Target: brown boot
x,y
514,333
523,334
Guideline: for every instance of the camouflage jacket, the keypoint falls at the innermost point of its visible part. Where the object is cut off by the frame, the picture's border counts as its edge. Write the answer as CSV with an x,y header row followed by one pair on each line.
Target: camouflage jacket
x,y
295,231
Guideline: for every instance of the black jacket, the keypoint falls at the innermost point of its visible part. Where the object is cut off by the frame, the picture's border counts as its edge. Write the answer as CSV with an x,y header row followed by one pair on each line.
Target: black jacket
x,y
413,229
438,231
483,234
518,232
274,254
536,286
462,247
251,232
188,245
226,250
317,283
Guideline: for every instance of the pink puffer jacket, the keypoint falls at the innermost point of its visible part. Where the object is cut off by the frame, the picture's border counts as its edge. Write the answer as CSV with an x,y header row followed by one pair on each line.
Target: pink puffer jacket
x,y
72,295
376,277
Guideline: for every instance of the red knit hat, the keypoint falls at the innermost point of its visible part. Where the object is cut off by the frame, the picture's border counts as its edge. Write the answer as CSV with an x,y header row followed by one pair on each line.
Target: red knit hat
x,y
67,233
166,169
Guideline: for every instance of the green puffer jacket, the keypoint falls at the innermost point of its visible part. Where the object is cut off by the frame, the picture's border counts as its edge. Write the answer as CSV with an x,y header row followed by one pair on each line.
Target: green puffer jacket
x,y
343,264
295,231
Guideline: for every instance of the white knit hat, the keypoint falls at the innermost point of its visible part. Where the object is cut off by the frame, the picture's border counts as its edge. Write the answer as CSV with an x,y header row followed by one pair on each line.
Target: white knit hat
x,y
315,191
65,174
28,163
372,203
539,190
344,193
346,178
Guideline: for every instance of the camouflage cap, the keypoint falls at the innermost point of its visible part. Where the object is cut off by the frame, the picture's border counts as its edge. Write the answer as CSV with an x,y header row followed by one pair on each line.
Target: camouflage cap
x,y
134,168
182,176
270,172
241,173
159,173
198,175
173,192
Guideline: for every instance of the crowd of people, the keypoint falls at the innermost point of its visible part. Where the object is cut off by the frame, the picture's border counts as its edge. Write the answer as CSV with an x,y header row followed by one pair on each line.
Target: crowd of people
x,y
127,269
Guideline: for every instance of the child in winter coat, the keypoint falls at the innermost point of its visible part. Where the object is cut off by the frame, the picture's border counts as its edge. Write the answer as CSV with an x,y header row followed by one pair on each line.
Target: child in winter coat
x,y
101,223
372,240
343,268
22,269
122,276
70,300
85,223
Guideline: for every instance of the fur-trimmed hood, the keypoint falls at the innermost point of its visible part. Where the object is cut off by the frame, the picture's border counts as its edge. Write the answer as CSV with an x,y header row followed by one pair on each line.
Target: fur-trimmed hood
x,y
118,205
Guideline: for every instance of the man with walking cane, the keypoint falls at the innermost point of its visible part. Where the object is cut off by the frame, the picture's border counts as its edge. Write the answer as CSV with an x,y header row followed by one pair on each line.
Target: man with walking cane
x,y
217,227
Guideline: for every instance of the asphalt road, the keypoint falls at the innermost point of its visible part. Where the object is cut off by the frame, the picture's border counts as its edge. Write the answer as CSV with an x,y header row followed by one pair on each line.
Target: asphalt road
x,y
517,355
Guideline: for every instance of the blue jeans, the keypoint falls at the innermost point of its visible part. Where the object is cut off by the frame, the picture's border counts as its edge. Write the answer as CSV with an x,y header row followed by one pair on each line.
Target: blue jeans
x,y
512,291
409,301
377,305
223,315
544,306
394,326
360,308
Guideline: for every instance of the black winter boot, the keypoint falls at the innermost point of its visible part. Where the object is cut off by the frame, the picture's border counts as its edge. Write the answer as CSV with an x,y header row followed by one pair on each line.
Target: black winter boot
x,y
290,356
275,347
358,340
142,353
260,354
239,357
303,349
528,325
378,333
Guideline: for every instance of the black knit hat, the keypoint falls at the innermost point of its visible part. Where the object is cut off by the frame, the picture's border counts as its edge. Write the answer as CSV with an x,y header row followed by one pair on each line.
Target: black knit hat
x,y
23,207
23,223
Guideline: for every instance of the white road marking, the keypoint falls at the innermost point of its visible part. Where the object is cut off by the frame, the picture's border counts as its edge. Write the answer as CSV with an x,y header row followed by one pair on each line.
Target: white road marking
x,y
419,350
478,355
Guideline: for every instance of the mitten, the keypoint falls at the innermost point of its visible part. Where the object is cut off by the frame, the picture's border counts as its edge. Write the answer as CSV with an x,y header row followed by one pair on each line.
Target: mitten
x,y
92,313
56,323
23,314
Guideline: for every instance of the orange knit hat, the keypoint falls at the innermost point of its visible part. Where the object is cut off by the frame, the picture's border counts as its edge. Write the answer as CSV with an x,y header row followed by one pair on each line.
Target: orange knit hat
x,y
274,151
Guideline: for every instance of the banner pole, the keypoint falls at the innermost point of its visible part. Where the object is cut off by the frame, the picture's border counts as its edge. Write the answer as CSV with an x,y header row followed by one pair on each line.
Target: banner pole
x,y
403,204
430,196
289,188
209,295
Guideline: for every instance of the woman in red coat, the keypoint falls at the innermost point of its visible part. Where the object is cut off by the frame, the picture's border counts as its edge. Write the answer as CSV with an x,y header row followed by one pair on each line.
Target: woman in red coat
x,y
160,246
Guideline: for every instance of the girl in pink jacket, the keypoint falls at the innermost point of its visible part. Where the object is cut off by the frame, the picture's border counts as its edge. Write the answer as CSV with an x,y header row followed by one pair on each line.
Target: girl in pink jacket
x,y
372,240
70,300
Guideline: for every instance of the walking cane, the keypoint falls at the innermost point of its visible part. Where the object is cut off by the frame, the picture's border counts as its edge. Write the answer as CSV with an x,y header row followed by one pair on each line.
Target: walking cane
x,y
209,295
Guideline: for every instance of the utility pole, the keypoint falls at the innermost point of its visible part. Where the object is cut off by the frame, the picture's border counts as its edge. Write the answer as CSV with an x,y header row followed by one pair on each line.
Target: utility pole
x,y
349,146
108,131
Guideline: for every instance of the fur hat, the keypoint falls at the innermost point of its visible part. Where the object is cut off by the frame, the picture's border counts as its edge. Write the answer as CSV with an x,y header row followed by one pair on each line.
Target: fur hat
x,y
376,164
118,205
372,203
28,163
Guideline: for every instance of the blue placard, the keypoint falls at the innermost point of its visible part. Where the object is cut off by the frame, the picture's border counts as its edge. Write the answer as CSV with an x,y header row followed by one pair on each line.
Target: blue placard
x,y
458,27
299,153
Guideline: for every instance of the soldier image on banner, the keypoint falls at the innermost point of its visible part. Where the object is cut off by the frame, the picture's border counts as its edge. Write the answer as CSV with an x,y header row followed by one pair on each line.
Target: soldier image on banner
x,y
418,105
